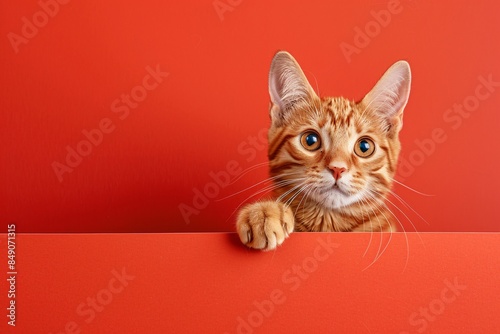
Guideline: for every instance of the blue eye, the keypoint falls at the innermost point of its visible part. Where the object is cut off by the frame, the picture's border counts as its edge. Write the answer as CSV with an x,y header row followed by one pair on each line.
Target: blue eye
x,y
310,140
364,147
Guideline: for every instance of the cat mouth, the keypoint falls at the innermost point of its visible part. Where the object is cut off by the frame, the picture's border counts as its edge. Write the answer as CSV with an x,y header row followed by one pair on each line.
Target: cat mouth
x,y
336,188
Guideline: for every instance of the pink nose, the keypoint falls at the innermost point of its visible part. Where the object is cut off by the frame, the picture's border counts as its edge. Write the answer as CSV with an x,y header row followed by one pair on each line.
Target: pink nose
x,y
337,172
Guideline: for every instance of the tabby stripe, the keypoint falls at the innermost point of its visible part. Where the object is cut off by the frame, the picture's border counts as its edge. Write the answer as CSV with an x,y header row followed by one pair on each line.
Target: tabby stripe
x,y
389,157
273,143
293,153
348,118
378,161
381,227
381,181
278,169
281,141
319,158
285,165
322,122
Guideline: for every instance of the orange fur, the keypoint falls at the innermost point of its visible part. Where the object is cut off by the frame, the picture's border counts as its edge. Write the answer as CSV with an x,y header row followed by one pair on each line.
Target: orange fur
x,y
332,160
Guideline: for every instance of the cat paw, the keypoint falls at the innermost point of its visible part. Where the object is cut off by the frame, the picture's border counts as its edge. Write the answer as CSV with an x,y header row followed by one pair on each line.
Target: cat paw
x,y
264,225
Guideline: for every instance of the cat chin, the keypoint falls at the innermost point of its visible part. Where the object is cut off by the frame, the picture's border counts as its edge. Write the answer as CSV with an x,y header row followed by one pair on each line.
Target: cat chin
x,y
336,199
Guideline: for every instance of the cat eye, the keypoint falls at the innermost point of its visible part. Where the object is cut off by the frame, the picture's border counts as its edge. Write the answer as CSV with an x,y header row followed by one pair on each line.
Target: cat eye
x,y
310,140
364,147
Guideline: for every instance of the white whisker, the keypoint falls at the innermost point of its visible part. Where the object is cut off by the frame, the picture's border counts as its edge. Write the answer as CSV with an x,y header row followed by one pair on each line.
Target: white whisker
x,y
272,187
404,233
418,192
306,194
399,198
380,251
248,170
270,179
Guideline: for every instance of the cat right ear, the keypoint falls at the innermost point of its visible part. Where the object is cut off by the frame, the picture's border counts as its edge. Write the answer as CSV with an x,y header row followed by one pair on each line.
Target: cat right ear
x,y
288,87
388,98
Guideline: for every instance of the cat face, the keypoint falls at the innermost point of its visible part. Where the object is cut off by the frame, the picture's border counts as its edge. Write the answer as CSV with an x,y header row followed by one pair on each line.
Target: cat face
x,y
332,150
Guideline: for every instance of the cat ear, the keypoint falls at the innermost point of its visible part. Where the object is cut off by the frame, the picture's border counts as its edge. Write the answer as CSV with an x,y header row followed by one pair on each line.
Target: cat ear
x,y
390,95
288,86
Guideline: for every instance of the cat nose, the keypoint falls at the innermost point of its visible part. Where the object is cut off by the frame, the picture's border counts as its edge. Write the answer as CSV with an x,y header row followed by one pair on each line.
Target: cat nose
x,y
337,172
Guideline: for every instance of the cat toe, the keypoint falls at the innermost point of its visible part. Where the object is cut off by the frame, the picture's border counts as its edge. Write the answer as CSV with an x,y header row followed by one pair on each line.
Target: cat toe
x,y
264,225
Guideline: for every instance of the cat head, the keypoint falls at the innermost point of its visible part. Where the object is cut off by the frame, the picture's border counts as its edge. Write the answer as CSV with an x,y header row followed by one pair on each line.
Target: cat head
x,y
333,150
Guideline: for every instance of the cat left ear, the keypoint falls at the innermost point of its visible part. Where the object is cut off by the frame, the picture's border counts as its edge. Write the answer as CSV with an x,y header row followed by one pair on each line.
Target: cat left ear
x,y
389,96
288,87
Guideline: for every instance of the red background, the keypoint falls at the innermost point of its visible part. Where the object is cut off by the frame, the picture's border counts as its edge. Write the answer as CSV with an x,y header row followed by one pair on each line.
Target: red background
x,y
203,283
64,80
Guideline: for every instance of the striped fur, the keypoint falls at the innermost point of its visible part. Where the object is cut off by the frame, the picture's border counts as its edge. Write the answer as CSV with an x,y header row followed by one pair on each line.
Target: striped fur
x,y
308,197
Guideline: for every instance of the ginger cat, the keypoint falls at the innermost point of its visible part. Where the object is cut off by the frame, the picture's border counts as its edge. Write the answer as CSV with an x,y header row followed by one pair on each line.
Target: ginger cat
x,y
332,160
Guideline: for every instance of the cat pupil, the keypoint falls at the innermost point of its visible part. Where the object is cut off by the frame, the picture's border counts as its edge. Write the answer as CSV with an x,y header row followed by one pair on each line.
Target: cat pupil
x,y
364,146
311,139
